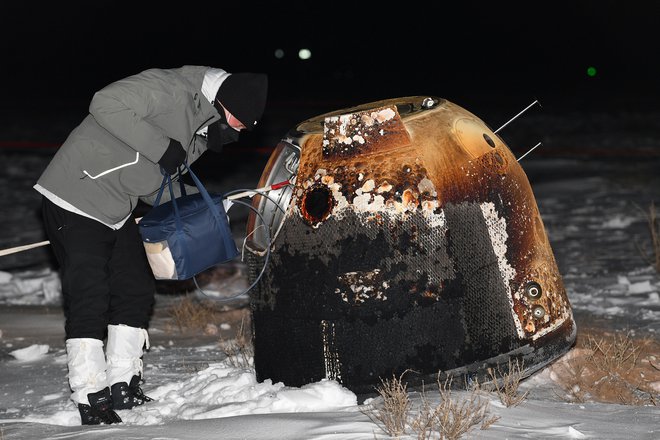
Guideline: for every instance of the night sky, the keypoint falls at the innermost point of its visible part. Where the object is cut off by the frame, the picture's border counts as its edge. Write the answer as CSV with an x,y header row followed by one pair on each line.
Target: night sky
x,y
482,56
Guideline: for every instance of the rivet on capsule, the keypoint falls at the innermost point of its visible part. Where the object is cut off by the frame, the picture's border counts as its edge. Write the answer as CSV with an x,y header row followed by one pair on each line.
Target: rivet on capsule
x,y
533,290
538,312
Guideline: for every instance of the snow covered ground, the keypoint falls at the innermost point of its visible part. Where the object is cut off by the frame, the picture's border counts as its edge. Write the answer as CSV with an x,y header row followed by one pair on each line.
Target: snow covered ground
x,y
594,213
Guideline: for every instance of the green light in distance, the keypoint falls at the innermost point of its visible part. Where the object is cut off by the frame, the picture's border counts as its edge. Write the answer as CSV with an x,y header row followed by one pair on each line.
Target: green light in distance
x,y
591,71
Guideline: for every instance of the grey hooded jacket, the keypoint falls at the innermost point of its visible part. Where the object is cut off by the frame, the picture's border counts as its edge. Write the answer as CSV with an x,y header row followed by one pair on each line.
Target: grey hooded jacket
x,y
110,160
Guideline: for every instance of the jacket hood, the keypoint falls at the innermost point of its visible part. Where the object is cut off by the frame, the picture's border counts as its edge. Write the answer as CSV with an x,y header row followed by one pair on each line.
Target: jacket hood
x,y
213,79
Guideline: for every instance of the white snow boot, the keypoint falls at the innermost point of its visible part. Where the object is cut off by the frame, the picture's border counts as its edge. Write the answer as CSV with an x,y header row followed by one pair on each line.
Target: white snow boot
x,y
88,381
124,357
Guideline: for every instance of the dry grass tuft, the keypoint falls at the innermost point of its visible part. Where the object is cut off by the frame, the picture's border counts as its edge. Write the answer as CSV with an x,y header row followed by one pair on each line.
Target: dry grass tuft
x,y
574,371
451,417
617,354
239,351
190,314
507,384
610,368
447,418
396,404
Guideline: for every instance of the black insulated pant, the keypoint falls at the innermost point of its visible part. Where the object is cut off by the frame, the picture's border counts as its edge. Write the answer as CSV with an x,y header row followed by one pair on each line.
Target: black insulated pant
x,y
105,276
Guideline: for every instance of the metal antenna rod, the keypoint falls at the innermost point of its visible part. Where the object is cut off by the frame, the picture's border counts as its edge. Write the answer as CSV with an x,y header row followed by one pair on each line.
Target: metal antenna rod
x,y
523,111
531,149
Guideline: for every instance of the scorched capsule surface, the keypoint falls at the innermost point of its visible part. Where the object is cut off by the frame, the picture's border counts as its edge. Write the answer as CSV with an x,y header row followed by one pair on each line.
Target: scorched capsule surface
x,y
410,240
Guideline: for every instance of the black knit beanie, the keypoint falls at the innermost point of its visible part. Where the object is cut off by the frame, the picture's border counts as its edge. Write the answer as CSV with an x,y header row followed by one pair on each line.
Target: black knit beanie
x,y
244,96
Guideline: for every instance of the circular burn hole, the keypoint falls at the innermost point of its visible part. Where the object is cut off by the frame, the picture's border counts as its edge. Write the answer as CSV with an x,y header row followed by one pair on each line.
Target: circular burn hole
x,y
317,204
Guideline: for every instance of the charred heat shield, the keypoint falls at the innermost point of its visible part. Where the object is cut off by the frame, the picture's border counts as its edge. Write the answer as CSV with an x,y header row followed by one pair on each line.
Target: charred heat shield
x,y
410,240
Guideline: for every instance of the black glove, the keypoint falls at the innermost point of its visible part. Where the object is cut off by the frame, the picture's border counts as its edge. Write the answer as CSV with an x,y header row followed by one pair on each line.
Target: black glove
x,y
173,157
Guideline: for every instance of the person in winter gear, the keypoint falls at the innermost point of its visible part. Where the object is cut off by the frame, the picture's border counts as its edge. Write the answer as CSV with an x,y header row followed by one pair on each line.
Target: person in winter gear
x,y
137,129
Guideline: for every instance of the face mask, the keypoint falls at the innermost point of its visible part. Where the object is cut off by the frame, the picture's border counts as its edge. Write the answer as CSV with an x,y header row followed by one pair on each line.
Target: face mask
x,y
220,133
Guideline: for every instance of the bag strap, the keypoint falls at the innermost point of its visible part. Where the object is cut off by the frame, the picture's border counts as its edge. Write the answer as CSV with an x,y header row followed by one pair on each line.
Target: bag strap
x,y
164,183
167,181
160,191
175,205
205,195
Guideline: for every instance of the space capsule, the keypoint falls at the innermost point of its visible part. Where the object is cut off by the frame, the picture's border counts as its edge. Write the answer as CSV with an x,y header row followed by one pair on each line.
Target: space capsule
x,y
409,241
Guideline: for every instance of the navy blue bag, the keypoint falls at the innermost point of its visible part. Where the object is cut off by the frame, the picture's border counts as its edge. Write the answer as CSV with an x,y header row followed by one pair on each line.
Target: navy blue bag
x,y
188,234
